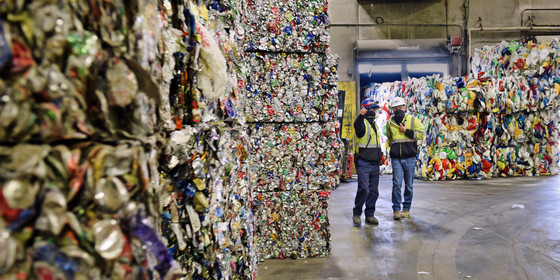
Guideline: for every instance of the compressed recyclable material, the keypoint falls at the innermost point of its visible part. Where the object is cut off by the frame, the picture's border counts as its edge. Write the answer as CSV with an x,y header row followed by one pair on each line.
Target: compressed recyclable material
x,y
83,211
288,87
68,80
206,200
287,26
481,126
93,78
207,219
297,156
527,59
291,99
292,224
145,105
79,141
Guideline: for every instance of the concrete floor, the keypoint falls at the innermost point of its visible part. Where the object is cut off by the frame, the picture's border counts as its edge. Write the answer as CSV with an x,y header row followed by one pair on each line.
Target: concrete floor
x,y
458,230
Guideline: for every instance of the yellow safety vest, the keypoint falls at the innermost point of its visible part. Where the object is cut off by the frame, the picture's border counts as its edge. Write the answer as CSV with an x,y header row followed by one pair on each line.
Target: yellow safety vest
x,y
367,141
397,139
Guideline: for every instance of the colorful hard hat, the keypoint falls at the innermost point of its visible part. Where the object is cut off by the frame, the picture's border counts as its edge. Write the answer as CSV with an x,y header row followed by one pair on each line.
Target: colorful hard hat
x,y
369,103
397,101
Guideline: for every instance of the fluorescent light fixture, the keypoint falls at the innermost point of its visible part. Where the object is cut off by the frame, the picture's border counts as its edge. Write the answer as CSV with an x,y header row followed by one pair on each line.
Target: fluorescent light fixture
x,y
384,68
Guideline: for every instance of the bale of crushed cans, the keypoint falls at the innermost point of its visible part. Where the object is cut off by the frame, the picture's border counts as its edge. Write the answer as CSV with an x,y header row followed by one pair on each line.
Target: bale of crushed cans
x,y
124,143
79,142
294,157
291,87
287,26
292,224
206,202
295,148
124,149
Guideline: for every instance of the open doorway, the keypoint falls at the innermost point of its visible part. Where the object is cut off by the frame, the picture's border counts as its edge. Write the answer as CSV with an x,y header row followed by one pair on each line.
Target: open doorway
x,y
371,72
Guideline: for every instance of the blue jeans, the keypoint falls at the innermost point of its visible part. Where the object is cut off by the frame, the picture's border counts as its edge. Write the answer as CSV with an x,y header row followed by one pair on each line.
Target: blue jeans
x,y
402,168
368,187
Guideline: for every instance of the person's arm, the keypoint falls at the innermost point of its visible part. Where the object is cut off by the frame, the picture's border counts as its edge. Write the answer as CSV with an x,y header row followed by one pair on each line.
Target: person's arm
x,y
418,129
409,133
388,132
418,132
359,126
389,135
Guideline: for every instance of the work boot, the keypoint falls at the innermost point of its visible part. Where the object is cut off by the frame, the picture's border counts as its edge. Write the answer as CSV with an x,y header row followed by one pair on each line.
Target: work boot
x,y
357,221
397,215
372,221
405,214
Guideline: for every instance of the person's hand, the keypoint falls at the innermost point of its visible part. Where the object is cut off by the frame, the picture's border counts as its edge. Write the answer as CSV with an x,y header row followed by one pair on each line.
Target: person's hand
x,y
363,111
402,128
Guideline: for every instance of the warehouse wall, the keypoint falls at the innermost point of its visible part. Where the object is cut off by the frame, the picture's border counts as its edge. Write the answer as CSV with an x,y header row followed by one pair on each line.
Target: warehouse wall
x,y
451,12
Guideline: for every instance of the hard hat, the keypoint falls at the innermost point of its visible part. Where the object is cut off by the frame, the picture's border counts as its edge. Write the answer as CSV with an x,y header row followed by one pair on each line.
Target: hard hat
x,y
369,103
397,101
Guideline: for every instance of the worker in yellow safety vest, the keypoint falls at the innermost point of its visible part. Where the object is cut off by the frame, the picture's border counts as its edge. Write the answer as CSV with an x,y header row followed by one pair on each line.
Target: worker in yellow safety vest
x,y
368,155
403,132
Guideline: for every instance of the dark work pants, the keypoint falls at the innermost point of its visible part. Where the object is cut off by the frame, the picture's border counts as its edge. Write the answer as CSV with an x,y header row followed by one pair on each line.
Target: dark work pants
x,y
368,187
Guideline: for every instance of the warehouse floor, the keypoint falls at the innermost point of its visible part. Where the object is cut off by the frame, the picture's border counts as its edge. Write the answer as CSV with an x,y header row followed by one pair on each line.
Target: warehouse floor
x,y
503,228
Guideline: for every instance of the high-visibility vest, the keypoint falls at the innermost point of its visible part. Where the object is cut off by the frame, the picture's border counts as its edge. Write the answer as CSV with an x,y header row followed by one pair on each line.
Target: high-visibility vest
x,y
370,140
399,145
396,136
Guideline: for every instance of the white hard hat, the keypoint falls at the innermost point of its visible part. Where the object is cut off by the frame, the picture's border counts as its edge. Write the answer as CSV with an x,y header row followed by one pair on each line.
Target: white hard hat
x,y
397,101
